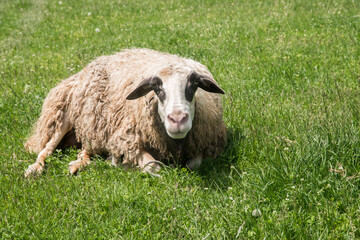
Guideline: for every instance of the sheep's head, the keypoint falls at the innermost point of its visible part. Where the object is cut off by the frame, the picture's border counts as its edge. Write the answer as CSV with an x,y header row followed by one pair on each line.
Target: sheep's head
x,y
176,94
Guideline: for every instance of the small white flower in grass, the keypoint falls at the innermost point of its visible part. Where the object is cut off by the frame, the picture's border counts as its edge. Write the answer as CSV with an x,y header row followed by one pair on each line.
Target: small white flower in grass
x,y
231,198
206,188
293,187
97,30
60,2
230,188
26,89
256,213
89,13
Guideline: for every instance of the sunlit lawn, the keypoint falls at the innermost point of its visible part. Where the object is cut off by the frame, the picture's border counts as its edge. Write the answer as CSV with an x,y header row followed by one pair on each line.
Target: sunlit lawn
x,y
291,73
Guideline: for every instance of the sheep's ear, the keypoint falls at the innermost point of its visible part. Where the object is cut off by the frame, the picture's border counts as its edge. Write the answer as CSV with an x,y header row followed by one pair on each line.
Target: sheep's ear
x,y
205,82
144,88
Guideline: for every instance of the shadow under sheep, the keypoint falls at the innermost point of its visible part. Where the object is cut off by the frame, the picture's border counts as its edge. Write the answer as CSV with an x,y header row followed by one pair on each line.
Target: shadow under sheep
x,y
215,172
212,171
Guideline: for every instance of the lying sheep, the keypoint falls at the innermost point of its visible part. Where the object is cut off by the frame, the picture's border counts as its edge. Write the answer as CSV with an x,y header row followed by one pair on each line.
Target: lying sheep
x,y
138,106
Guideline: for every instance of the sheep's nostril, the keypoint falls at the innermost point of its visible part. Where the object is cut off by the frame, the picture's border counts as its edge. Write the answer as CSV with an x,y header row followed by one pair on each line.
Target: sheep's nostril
x,y
184,119
171,119
179,118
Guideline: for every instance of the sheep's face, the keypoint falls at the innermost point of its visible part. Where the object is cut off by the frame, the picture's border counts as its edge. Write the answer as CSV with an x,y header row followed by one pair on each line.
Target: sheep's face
x,y
176,94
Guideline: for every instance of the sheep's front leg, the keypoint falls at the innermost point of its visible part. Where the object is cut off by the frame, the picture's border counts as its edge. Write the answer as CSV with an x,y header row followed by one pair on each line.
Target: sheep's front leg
x,y
82,161
38,166
195,162
148,164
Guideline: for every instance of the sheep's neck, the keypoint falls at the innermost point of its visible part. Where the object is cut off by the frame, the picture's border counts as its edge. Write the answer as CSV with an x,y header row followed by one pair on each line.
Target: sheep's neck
x,y
178,151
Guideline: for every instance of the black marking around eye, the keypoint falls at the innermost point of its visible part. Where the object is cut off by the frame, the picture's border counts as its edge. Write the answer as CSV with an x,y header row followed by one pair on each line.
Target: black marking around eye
x,y
191,86
161,94
156,84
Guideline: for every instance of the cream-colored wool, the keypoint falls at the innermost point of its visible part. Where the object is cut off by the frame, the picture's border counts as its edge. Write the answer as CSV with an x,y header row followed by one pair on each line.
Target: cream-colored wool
x,y
92,102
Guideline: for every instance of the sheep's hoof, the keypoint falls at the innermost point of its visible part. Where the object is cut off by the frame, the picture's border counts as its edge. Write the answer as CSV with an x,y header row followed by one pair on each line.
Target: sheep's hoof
x,y
34,169
152,169
194,163
113,161
77,165
73,169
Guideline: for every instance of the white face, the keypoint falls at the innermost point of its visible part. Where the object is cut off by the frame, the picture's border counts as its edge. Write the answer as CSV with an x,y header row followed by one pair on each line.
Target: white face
x,y
176,97
175,111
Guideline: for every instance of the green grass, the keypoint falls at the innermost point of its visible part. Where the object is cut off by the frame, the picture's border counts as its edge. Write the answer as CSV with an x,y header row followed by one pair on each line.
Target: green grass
x,y
291,71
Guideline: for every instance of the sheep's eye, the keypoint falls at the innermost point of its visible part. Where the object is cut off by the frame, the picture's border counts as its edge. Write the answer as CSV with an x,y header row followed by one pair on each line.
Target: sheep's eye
x,y
161,94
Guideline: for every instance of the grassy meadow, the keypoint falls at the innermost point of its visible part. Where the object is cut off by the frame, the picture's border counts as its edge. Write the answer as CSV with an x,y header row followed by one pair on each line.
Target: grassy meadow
x,y
291,168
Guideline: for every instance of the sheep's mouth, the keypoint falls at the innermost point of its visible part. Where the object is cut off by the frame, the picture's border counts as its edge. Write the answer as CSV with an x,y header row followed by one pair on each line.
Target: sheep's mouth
x,y
177,134
177,131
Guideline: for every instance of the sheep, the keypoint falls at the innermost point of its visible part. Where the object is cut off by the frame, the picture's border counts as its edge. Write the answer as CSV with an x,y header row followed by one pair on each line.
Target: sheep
x,y
139,106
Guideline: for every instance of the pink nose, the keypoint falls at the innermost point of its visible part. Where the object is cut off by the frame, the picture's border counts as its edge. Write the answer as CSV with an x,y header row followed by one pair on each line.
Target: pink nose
x,y
178,117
